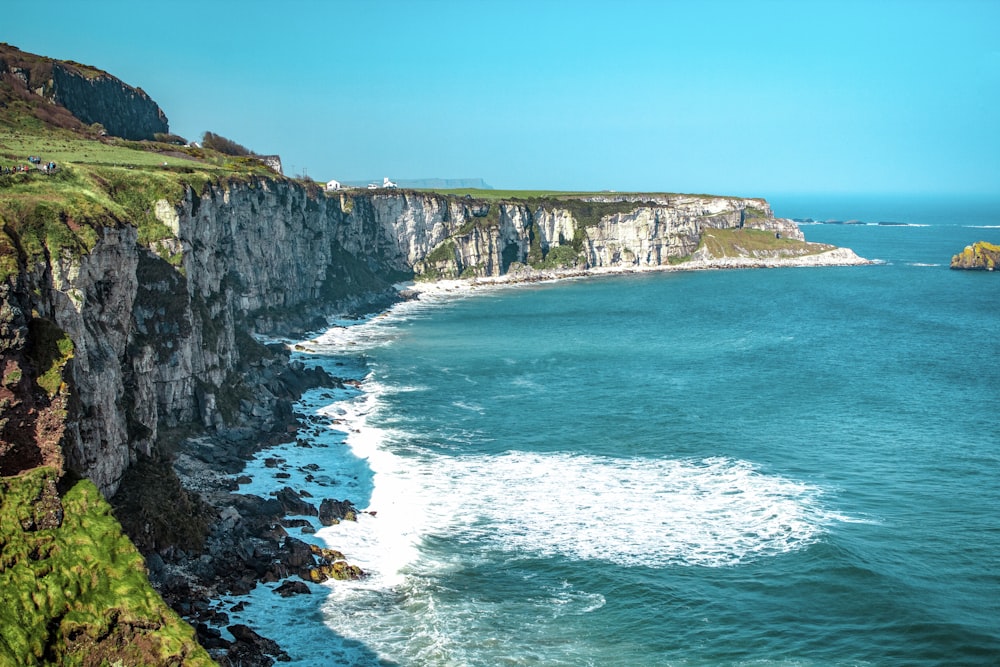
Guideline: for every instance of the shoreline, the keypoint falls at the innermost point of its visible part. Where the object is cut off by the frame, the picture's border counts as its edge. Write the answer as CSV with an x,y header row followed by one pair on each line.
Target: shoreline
x,y
273,517
829,258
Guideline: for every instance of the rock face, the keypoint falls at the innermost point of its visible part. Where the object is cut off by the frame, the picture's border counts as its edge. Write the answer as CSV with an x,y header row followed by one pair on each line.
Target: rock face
x,y
158,345
448,237
124,111
980,256
91,95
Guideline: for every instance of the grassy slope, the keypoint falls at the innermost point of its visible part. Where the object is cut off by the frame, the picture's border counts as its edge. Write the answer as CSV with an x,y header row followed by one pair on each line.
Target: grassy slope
x,y
99,183
77,594
756,243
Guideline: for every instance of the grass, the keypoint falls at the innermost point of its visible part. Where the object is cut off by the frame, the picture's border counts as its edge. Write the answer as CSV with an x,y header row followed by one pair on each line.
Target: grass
x,y
756,243
98,184
51,349
74,591
509,195
65,147
521,195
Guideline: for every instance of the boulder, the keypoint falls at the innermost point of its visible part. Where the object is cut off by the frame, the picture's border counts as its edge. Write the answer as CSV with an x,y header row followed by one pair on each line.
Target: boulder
x,y
292,503
332,511
292,587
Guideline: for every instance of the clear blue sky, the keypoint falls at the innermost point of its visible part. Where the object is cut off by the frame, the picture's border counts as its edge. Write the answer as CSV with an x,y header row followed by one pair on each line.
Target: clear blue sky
x,y
746,98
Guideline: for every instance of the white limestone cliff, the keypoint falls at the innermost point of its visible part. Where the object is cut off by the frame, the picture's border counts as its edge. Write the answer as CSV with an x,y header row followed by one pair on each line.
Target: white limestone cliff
x,y
160,344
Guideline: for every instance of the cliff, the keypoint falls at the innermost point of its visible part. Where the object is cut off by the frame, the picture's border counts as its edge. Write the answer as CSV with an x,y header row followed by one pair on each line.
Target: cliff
x,y
161,333
980,256
89,94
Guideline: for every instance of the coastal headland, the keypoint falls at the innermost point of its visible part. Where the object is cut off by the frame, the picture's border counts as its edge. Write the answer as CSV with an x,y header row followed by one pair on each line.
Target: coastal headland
x,y
140,278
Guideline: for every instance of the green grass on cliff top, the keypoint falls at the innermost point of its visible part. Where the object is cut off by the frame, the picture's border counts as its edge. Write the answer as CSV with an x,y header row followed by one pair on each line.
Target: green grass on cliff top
x,y
723,243
78,593
99,183
504,195
61,148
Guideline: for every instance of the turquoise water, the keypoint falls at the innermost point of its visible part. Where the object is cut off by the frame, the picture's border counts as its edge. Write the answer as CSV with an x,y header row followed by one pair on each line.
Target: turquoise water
x,y
787,466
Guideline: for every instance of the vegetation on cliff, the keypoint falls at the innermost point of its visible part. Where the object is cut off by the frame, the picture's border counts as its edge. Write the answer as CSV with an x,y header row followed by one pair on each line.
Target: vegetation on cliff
x,y
96,184
980,256
721,243
73,589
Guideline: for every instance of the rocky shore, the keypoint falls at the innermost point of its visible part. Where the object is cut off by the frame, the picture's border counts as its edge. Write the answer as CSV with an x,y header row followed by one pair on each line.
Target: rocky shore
x,y
203,540
525,274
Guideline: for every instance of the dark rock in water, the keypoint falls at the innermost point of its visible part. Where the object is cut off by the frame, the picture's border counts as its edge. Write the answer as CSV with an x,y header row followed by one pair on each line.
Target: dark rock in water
x,y
296,523
409,295
252,649
296,554
210,637
980,256
292,503
292,587
333,511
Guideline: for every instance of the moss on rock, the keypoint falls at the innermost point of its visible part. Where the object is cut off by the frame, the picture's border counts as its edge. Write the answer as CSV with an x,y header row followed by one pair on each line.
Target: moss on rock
x,y
73,588
980,256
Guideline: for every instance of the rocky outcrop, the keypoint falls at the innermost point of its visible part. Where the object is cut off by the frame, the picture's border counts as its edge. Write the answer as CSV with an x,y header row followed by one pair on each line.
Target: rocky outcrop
x,y
980,256
122,110
89,94
448,237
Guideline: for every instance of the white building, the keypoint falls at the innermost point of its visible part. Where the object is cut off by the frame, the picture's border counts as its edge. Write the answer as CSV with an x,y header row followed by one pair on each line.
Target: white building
x,y
333,185
386,183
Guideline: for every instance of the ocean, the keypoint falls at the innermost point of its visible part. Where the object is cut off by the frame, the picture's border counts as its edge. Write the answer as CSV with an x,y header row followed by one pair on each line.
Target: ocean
x,y
746,467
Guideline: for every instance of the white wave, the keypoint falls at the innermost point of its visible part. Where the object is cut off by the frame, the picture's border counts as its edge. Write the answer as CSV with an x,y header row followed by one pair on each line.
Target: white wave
x,y
645,512
925,264
981,226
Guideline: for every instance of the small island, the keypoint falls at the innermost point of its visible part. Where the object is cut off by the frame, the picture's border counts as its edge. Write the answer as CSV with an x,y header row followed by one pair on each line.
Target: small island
x,y
980,256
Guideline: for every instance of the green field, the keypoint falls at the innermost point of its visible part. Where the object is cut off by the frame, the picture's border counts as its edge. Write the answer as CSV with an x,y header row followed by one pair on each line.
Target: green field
x,y
15,147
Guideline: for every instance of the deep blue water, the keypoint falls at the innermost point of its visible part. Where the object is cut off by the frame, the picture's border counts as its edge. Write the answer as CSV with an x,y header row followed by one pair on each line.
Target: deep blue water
x,y
785,466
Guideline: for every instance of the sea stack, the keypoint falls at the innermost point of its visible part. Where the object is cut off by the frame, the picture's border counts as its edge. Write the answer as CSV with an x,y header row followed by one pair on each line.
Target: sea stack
x,y
980,256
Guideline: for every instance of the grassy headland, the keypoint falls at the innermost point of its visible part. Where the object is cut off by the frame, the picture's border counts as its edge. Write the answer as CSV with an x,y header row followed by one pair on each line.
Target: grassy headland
x,y
721,243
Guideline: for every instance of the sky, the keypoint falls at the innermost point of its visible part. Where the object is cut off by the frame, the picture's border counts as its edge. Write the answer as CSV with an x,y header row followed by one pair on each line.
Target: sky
x,y
743,98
